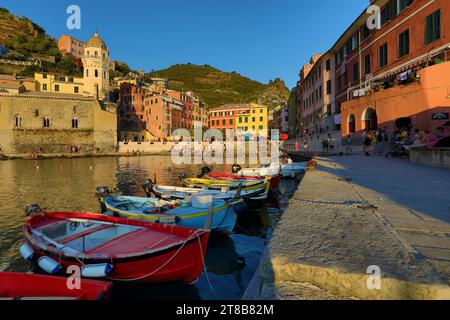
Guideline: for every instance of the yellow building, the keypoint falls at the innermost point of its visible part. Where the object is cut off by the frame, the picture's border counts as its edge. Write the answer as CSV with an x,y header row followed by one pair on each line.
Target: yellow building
x,y
48,82
253,120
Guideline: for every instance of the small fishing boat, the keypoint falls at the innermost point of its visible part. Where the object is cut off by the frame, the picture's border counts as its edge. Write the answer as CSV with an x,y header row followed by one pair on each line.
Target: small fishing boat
x,y
265,170
114,248
291,170
217,184
274,180
258,193
21,286
173,192
184,213
208,173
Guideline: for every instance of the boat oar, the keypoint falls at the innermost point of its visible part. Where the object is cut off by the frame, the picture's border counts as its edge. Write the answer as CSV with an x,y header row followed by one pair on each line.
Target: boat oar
x,y
209,219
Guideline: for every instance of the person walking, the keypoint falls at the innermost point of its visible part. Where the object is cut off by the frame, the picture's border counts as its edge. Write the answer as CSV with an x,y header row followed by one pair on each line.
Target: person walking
x,y
348,145
367,142
381,139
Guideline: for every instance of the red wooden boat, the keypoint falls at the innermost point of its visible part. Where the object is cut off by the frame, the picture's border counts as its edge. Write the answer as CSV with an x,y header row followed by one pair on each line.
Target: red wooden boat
x,y
274,180
20,286
115,248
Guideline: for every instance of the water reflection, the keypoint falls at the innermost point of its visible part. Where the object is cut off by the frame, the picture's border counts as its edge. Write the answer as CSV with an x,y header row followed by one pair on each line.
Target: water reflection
x,y
69,185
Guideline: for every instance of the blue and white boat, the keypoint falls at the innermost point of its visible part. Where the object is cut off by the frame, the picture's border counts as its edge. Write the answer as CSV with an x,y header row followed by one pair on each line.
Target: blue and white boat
x,y
184,213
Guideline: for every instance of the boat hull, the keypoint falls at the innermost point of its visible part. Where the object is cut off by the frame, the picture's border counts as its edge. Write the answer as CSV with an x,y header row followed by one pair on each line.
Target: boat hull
x,y
214,184
155,259
297,156
274,180
181,193
291,170
224,216
36,287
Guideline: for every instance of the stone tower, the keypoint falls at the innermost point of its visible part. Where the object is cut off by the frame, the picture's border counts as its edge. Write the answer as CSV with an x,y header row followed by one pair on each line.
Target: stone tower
x,y
96,68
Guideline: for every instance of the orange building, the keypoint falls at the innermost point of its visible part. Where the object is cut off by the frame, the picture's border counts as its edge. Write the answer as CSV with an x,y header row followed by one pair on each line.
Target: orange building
x,y
399,75
72,46
224,117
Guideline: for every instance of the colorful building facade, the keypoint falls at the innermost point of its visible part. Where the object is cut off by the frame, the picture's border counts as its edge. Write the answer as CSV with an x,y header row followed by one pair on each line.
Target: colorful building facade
x,y
279,119
72,46
50,82
400,73
251,119
381,77
149,113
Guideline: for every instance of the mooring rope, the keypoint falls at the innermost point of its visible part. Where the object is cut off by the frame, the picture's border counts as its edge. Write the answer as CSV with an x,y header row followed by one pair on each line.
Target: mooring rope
x,y
206,270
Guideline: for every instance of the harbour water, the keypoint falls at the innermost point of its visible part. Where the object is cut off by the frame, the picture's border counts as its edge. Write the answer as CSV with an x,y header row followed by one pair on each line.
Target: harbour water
x,y
69,185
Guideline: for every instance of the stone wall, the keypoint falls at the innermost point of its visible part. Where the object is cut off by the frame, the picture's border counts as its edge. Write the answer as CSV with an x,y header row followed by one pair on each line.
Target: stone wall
x,y
437,157
96,131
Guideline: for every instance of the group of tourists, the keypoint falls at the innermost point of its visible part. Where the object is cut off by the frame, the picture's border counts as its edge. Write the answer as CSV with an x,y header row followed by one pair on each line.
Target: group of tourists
x,y
383,141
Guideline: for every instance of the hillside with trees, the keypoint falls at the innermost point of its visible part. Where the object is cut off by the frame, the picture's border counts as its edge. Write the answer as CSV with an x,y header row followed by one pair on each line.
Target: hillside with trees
x,y
217,87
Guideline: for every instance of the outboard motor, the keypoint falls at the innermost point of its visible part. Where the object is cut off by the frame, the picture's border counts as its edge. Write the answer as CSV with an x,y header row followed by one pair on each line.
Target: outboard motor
x,y
205,171
236,168
32,209
101,193
147,185
182,176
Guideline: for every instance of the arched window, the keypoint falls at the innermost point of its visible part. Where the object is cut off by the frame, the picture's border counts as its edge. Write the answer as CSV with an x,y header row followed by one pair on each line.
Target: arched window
x,y
87,73
370,119
18,121
104,74
46,122
74,123
96,73
351,124
96,53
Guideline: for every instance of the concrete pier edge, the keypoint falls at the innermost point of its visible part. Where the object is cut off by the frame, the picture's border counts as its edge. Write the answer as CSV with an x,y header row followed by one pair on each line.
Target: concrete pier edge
x,y
329,248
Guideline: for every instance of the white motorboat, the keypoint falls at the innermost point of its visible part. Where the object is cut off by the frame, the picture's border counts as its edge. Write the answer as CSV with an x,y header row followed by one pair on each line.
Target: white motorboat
x,y
291,170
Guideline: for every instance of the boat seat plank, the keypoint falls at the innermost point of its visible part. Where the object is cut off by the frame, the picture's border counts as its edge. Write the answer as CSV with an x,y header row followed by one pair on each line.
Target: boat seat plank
x,y
84,233
137,241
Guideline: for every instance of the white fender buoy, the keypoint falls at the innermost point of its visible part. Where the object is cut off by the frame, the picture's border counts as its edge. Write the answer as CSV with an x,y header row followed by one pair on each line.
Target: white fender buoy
x,y
49,265
100,270
26,252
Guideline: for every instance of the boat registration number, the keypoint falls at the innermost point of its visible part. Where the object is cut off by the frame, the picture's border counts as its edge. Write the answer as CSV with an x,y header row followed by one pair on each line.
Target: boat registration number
x,y
167,220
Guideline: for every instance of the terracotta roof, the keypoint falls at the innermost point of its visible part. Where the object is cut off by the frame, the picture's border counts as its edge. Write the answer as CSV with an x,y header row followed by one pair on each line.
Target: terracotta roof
x,y
12,78
231,107
11,85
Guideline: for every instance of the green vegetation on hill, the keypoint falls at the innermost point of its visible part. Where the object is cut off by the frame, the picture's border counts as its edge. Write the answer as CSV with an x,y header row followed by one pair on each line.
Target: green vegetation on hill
x,y
122,69
217,88
28,41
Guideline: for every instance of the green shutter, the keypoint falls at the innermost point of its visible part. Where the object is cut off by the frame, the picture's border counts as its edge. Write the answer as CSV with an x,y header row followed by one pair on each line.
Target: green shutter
x,y
437,25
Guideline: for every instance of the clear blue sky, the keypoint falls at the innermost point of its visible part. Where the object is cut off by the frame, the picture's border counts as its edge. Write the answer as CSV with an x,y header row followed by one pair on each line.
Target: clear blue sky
x,y
261,39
